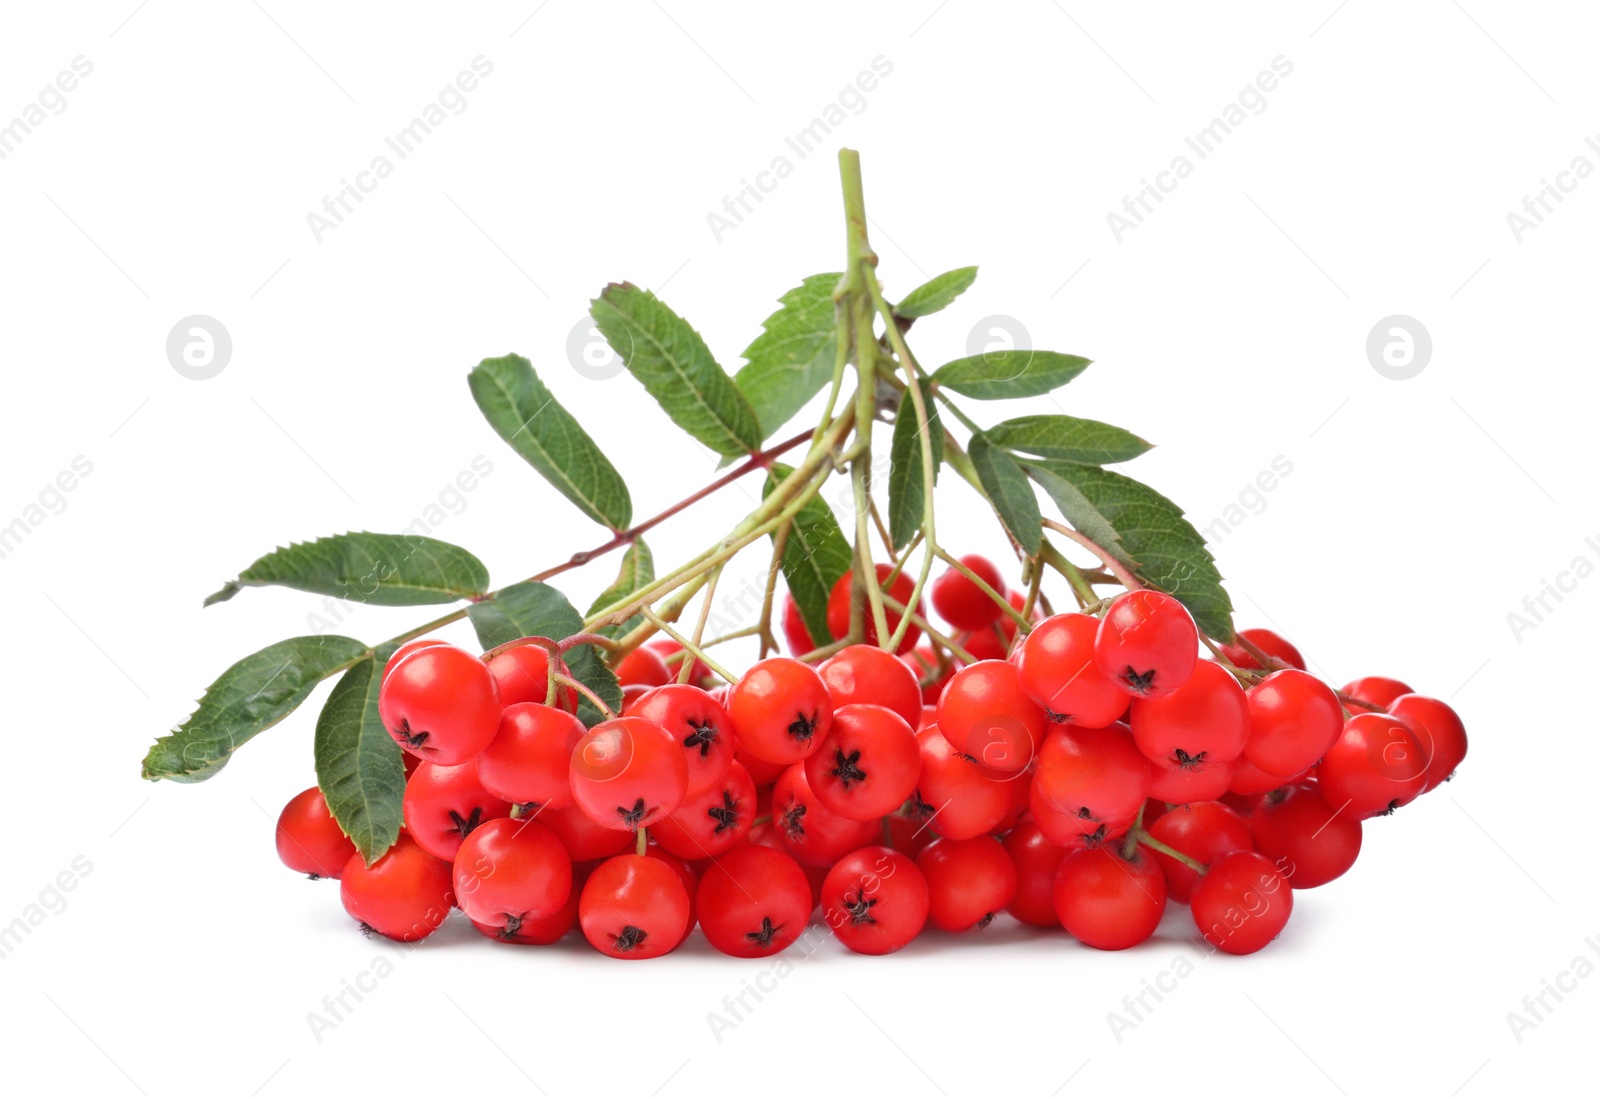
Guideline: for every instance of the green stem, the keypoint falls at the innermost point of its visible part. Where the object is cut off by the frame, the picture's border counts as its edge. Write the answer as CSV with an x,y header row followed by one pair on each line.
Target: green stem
x,y
1143,837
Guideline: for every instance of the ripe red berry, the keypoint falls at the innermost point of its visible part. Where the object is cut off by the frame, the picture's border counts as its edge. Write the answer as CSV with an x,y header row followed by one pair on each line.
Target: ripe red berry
x,y
1056,668
924,665
687,876
1269,642
713,822
1198,726
1309,842
406,649
627,773
1439,729
969,882
960,601
1376,690
702,728
546,930
753,901
310,839
1036,859
1242,903
643,666
1204,831
866,675
1147,643
869,764
1109,901
795,632
814,833
528,759
672,651
875,900
839,603
1250,779
956,796
781,710
634,908
1294,719
404,895
984,713
440,703
444,804
585,839
1205,781
1376,765
1087,778
509,871
521,672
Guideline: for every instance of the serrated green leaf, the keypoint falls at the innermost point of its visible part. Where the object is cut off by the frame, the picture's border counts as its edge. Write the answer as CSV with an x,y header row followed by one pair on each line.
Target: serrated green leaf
x,y
1068,438
636,572
907,494
359,765
249,697
1077,510
815,556
1168,553
1009,374
538,609
673,363
380,569
936,293
1009,490
523,412
792,359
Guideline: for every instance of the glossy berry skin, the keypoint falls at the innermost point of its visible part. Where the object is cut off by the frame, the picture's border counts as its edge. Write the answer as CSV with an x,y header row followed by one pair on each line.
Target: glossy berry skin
x,y
1201,723
1306,839
1087,777
1056,669
441,704
956,796
1294,719
924,665
713,822
1036,860
969,882
509,871
702,728
959,600
795,632
585,839
1108,901
1376,765
762,772
1204,831
1191,784
521,674
1242,903
309,838
984,713
1269,642
875,900
408,648
634,908
1147,643
1376,690
865,675
839,600
869,764
546,930
687,876
671,651
628,773
812,832
753,901
1250,779
404,895
781,710
527,760
1440,731
444,804
643,666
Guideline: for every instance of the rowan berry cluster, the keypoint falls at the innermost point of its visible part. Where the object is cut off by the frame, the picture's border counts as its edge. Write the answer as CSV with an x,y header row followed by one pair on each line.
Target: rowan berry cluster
x,y
1081,771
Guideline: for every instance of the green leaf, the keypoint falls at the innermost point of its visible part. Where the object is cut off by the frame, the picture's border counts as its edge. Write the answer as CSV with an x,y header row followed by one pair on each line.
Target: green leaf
x,y
792,359
381,569
544,434
1067,438
1009,490
1077,510
673,363
538,609
638,571
816,555
936,293
359,767
1168,553
1008,374
906,488
249,697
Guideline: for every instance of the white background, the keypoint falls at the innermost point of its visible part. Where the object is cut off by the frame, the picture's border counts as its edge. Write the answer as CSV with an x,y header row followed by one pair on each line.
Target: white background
x,y
1230,328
